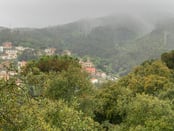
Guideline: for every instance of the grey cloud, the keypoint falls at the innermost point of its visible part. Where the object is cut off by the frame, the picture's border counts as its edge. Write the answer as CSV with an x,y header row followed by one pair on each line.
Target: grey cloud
x,y
40,13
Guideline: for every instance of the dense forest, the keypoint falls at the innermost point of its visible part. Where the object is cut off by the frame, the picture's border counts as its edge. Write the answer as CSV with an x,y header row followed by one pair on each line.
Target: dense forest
x,y
54,93
120,42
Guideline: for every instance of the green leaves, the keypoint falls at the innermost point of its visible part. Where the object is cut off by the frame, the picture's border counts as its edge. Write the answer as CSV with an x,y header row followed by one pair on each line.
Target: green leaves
x,y
141,101
55,94
111,102
66,118
150,112
168,58
151,77
68,84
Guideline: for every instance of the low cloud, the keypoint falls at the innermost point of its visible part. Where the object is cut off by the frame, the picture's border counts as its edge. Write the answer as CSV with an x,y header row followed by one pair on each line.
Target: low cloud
x,y
40,13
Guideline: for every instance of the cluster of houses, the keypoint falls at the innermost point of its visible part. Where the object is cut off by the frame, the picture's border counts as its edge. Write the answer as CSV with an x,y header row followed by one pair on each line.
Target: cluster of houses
x,y
97,76
50,51
6,73
8,52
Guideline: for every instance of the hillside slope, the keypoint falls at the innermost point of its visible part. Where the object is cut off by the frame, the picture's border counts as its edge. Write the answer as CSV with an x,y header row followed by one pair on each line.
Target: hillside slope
x,y
117,41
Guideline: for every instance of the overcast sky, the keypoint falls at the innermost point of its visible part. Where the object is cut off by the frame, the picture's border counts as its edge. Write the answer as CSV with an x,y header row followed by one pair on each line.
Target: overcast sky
x,y
41,13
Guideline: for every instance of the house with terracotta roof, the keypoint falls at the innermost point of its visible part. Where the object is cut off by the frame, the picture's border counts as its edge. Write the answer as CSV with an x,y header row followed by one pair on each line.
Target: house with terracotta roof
x,y
88,66
87,63
50,51
66,52
90,70
9,54
7,45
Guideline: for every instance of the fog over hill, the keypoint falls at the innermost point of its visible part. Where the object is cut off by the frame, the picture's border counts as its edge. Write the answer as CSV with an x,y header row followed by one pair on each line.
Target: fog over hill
x,y
118,41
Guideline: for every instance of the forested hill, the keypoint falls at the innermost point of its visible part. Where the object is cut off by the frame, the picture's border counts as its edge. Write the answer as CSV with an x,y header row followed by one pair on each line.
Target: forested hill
x,y
118,41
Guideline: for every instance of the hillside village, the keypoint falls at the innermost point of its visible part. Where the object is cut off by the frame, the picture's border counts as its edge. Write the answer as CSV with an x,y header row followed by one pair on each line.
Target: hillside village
x,y
10,54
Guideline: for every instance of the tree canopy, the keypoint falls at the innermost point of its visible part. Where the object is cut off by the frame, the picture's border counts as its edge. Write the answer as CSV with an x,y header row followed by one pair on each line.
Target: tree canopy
x,y
55,93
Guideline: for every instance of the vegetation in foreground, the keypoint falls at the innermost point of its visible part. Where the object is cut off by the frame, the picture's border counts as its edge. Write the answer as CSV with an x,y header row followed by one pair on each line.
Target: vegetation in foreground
x,y
53,93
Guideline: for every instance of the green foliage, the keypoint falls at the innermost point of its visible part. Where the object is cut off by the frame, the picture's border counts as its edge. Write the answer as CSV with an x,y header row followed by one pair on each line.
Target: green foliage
x,y
167,94
55,94
52,63
60,77
23,109
65,118
68,84
27,55
168,58
150,77
12,99
150,113
57,77
141,101
111,102
56,63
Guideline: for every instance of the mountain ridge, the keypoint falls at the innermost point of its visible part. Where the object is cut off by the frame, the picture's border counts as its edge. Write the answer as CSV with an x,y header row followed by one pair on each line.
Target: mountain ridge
x,y
121,41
